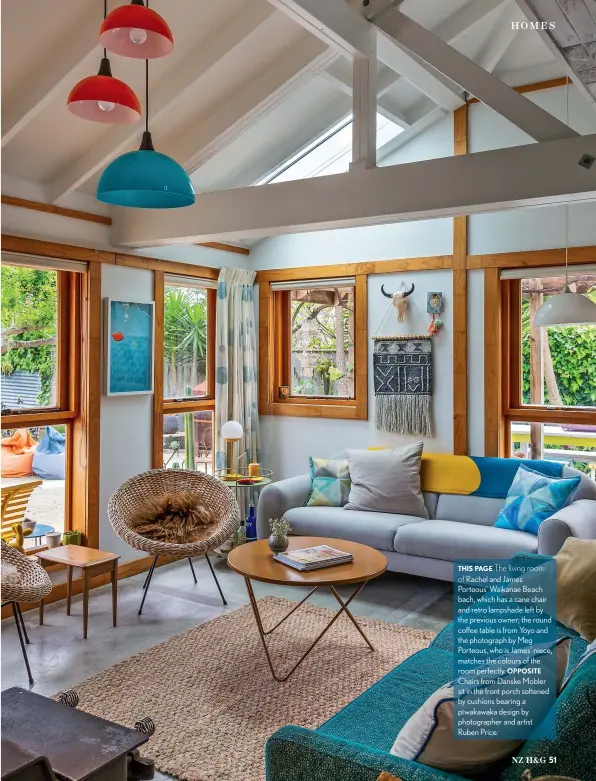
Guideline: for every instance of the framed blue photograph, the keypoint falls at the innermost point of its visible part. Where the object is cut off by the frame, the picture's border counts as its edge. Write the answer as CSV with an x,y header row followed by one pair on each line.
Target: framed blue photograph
x,y
129,346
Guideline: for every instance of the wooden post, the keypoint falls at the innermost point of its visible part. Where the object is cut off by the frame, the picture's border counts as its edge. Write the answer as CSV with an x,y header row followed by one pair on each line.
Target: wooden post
x,y
460,302
536,368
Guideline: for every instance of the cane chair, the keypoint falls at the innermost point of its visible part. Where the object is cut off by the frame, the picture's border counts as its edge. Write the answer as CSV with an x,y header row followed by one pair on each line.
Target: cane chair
x,y
34,584
211,493
15,499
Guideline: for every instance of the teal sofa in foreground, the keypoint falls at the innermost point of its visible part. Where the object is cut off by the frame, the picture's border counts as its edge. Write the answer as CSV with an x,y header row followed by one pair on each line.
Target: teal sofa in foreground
x,y
354,744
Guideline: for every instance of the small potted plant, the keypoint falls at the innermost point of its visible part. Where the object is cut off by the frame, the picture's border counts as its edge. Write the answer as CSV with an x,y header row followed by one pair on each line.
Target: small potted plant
x,y
73,537
278,540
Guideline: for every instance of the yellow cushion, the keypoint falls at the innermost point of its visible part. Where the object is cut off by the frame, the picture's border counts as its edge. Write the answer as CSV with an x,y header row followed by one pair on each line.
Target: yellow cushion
x,y
444,473
576,586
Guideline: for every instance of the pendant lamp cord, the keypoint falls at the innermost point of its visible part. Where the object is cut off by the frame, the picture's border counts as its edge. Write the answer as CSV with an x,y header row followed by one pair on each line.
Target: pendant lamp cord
x,y
147,95
105,16
567,204
146,90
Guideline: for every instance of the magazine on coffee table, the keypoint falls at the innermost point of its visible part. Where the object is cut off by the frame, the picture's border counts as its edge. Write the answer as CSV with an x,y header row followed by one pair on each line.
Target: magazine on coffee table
x,y
313,558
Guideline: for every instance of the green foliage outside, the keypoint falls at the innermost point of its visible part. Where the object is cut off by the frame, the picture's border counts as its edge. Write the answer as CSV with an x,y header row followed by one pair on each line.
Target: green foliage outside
x,y
29,306
573,352
185,331
320,322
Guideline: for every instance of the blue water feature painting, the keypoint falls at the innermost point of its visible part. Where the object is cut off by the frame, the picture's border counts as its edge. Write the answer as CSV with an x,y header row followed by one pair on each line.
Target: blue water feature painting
x,y
130,353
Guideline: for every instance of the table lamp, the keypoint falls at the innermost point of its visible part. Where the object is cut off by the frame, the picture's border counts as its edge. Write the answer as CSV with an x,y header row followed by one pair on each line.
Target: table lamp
x,y
232,432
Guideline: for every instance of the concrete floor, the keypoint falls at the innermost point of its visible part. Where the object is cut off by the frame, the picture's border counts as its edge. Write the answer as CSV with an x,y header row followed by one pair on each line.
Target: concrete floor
x,y
60,658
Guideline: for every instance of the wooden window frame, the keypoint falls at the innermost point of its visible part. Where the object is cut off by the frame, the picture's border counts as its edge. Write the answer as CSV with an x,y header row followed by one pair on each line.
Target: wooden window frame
x,y
503,397
274,359
163,406
77,404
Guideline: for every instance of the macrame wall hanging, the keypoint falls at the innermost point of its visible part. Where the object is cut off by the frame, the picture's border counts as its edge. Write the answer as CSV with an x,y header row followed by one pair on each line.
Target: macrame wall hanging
x,y
403,383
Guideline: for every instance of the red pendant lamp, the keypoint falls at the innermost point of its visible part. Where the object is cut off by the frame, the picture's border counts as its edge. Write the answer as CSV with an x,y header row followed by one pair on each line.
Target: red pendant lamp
x,y
103,98
136,31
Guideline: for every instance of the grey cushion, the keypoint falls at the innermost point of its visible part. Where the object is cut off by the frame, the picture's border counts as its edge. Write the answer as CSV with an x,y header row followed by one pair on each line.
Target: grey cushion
x,y
374,529
450,540
386,481
468,509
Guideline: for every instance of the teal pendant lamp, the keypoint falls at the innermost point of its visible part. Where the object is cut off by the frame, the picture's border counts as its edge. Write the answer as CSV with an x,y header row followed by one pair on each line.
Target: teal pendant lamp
x,y
146,179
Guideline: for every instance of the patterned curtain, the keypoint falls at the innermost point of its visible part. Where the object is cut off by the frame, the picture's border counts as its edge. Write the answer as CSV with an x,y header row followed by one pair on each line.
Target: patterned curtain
x,y
236,371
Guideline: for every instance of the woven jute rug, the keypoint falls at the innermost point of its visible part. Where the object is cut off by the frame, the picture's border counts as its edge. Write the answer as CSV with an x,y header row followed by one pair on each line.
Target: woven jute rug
x,y
211,694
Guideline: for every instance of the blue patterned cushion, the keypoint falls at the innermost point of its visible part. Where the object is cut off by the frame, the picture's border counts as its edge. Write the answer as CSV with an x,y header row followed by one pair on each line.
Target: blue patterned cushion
x,y
532,498
330,482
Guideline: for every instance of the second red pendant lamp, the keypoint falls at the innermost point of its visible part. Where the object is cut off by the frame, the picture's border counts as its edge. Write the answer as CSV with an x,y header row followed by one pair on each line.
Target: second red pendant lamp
x,y
136,31
103,98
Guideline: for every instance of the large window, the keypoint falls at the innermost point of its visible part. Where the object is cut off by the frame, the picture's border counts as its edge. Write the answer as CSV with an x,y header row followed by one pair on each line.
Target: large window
x,y
550,372
41,388
330,153
315,356
188,395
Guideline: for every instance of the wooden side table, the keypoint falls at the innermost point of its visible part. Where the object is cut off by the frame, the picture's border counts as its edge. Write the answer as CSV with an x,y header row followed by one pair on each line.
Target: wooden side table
x,y
93,563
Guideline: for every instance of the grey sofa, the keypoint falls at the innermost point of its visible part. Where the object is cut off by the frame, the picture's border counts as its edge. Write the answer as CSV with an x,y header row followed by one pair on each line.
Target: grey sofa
x,y
458,527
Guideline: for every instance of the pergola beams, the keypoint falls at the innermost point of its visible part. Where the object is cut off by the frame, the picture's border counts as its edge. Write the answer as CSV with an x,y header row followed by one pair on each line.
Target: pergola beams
x,y
530,175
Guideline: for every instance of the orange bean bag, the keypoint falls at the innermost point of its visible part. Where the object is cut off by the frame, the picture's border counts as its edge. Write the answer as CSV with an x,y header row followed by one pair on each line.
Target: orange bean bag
x,y
17,454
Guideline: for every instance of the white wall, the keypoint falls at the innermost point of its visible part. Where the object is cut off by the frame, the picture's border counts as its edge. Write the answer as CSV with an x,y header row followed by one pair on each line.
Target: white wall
x,y
287,442
126,421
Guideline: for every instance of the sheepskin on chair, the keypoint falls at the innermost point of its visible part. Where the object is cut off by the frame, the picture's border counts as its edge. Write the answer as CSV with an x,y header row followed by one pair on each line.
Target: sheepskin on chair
x,y
175,518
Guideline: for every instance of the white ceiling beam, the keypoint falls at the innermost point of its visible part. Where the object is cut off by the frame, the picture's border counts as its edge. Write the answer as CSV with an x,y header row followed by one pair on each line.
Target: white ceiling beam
x,y
173,90
562,25
210,134
437,54
364,107
501,39
338,74
419,126
452,29
430,82
503,179
333,21
52,81
441,91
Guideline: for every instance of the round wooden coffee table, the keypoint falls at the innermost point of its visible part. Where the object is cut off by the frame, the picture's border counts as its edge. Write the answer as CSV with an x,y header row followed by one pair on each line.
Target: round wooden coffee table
x,y
254,561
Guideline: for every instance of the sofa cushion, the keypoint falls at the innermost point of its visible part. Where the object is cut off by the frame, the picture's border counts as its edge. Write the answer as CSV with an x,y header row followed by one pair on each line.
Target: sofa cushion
x,y
369,528
386,481
375,718
450,540
479,510
534,497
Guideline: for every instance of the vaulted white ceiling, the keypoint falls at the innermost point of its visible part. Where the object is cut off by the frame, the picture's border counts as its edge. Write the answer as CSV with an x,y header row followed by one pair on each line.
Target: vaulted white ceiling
x,y
245,88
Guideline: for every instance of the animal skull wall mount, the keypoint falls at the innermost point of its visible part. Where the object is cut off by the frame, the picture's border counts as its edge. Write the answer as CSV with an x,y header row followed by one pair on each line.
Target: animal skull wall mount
x,y
399,299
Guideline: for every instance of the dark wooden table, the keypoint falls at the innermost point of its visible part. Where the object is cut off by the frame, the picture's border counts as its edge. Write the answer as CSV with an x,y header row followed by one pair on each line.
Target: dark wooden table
x,y
93,562
77,745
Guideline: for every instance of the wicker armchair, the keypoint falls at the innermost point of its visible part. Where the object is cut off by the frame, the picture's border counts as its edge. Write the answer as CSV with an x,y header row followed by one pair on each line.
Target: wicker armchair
x,y
210,491
34,584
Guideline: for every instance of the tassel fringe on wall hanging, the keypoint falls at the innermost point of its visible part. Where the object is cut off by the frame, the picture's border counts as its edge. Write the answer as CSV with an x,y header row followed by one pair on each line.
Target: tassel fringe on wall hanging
x,y
403,383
